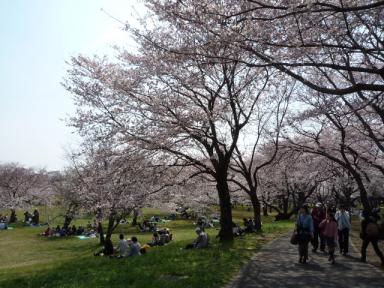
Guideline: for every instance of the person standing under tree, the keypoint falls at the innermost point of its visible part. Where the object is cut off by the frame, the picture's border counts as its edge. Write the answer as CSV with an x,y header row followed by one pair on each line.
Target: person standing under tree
x,y
344,225
318,215
304,228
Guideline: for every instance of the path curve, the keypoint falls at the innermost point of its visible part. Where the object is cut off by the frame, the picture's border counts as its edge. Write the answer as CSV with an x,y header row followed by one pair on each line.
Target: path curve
x,y
276,265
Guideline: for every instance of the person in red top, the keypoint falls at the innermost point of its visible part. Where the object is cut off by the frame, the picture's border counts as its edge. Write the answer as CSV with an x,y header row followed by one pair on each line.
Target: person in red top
x,y
329,229
318,215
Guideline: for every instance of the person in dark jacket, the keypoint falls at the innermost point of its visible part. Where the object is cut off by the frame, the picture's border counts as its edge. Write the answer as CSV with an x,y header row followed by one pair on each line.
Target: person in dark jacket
x,y
367,219
36,217
318,215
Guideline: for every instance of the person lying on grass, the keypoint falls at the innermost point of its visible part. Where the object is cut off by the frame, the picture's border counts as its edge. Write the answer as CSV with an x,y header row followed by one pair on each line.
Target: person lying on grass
x,y
201,241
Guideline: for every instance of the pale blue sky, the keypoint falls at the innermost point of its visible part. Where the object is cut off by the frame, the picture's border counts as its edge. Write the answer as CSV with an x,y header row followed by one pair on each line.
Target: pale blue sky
x,y
36,38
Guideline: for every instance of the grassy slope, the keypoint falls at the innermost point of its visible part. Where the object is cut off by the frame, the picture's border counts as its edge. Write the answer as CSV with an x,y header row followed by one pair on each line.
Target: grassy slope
x,y
29,260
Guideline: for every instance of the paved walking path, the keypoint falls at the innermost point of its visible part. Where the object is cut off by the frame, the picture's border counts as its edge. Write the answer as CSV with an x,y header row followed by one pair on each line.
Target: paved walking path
x,y
277,266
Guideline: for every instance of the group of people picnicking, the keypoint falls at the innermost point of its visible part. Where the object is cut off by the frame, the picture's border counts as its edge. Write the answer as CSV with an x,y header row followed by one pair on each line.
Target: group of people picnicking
x,y
124,248
29,219
32,219
69,231
325,228
148,226
132,247
161,237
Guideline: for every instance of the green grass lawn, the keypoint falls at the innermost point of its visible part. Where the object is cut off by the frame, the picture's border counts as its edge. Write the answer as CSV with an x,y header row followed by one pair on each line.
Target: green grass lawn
x,y
28,260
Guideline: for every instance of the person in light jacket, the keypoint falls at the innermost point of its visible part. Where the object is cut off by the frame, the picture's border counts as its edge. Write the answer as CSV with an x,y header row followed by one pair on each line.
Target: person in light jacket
x,y
344,225
305,230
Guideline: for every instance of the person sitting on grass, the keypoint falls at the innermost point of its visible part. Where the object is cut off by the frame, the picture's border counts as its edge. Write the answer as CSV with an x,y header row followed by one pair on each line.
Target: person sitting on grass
x,y
146,226
134,247
80,230
47,232
36,217
155,240
122,247
162,237
168,235
91,234
248,225
89,225
73,232
3,226
201,241
63,232
236,230
27,217
144,249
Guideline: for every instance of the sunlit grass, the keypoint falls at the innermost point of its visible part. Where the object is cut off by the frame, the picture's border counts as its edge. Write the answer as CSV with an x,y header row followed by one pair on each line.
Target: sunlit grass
x,y
29,260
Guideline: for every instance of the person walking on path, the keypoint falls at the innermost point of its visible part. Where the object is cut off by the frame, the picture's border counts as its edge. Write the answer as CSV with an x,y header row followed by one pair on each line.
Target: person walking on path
x,y
318,215
344,225
370,236
329,227
304,228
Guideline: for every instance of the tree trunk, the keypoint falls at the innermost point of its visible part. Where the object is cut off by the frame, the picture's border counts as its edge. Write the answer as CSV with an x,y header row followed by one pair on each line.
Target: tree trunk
x,y
256,209
285,206
67,221
12,218
135,216
111,223
225,233
101,233
363,192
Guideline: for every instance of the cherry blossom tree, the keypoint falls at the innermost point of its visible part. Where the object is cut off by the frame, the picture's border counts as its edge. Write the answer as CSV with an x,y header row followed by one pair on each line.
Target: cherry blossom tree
x,y
185,108
19,186
307,40
336,132
292,180
67,187
250,158
113,181
332,48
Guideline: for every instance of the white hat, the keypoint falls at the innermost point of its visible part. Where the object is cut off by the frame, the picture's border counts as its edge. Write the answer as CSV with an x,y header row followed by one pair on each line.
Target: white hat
x,y
318,204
